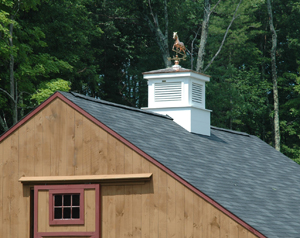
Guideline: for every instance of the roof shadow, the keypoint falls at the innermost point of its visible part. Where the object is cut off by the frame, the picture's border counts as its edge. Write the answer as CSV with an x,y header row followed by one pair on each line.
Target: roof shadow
x,y
212,137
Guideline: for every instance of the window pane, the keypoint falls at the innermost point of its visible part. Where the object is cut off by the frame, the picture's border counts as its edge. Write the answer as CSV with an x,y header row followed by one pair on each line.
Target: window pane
x,y
57,200
57,213
75,212
67,200
75,201
67,213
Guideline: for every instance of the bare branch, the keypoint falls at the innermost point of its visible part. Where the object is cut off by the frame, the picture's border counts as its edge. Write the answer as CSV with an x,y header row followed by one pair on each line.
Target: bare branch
x,y
152,14
225,35
166,18
161,40
156,20
214,7
116,18
18,8
207,7
3,123
123,95
21,93
196,35
80,71
192,47
7,94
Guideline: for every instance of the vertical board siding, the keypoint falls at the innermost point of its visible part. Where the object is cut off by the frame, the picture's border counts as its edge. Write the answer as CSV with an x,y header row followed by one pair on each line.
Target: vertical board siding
x,y
128,203
3,148
188,213
69,145
60,141
6,195
137,193
16,193
46,145
87,146
146,191
171,207
162,204
78,150
38,149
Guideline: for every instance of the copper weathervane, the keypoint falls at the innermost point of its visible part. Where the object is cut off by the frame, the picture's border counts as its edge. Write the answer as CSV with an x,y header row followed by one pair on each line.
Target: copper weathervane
x,y
179,48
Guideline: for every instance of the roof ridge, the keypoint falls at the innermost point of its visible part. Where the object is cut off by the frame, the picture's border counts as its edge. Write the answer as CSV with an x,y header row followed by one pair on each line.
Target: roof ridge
x,y
119,105
146,112
230,131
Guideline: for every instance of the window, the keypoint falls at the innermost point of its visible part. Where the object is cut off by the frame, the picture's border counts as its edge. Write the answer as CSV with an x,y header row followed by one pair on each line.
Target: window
x,y
67,210
66,206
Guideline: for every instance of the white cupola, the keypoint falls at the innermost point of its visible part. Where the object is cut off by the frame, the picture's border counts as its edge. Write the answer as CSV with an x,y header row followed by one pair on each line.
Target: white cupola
x,y
179,93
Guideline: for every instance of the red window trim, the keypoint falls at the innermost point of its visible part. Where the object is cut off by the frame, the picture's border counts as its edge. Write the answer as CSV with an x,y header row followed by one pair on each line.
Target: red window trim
x,y
92,234
62,191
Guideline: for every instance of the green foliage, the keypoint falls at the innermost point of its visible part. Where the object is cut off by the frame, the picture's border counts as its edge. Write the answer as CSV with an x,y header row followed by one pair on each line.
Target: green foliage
x,y
240,101
47,89
102,47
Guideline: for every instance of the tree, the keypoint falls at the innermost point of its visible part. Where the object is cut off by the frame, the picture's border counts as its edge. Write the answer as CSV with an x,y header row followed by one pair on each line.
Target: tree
x,y
161,38
21,63
48,88
204,33
274,78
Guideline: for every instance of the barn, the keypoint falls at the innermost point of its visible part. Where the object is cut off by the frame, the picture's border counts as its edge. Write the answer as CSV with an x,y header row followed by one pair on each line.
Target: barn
x,y
82,167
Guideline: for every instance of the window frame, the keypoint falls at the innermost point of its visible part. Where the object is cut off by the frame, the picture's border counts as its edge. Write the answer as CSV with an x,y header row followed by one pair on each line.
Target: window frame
x,y
66,190
61,233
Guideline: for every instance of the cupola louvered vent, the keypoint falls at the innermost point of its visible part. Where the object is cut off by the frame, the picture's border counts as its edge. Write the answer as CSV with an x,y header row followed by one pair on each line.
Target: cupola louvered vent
x,y
167,91
180,94
197,93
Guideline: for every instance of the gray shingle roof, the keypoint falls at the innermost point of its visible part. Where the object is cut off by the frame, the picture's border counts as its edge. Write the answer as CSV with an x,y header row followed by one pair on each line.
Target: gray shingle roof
x,y
239,171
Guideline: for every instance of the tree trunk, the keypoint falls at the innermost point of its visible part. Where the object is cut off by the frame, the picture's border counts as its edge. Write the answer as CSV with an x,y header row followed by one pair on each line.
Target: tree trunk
x,y
11,76
274,78
204,33
161,39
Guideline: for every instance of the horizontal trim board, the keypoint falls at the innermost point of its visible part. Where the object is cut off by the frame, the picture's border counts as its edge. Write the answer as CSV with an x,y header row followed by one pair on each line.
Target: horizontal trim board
x,y
111,178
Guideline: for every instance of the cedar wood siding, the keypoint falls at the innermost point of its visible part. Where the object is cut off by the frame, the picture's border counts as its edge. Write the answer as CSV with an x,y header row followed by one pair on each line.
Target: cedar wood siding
x,y
58,140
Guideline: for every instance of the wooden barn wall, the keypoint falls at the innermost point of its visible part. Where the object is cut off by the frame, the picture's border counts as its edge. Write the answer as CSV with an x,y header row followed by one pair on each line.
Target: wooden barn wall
x,y
60,141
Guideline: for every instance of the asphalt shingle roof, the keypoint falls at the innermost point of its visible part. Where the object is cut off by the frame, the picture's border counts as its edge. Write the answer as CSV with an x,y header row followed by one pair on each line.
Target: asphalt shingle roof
x,y
239,171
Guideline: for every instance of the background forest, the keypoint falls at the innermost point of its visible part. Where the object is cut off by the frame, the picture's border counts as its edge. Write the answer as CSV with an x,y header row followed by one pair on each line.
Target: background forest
x,y
100,48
